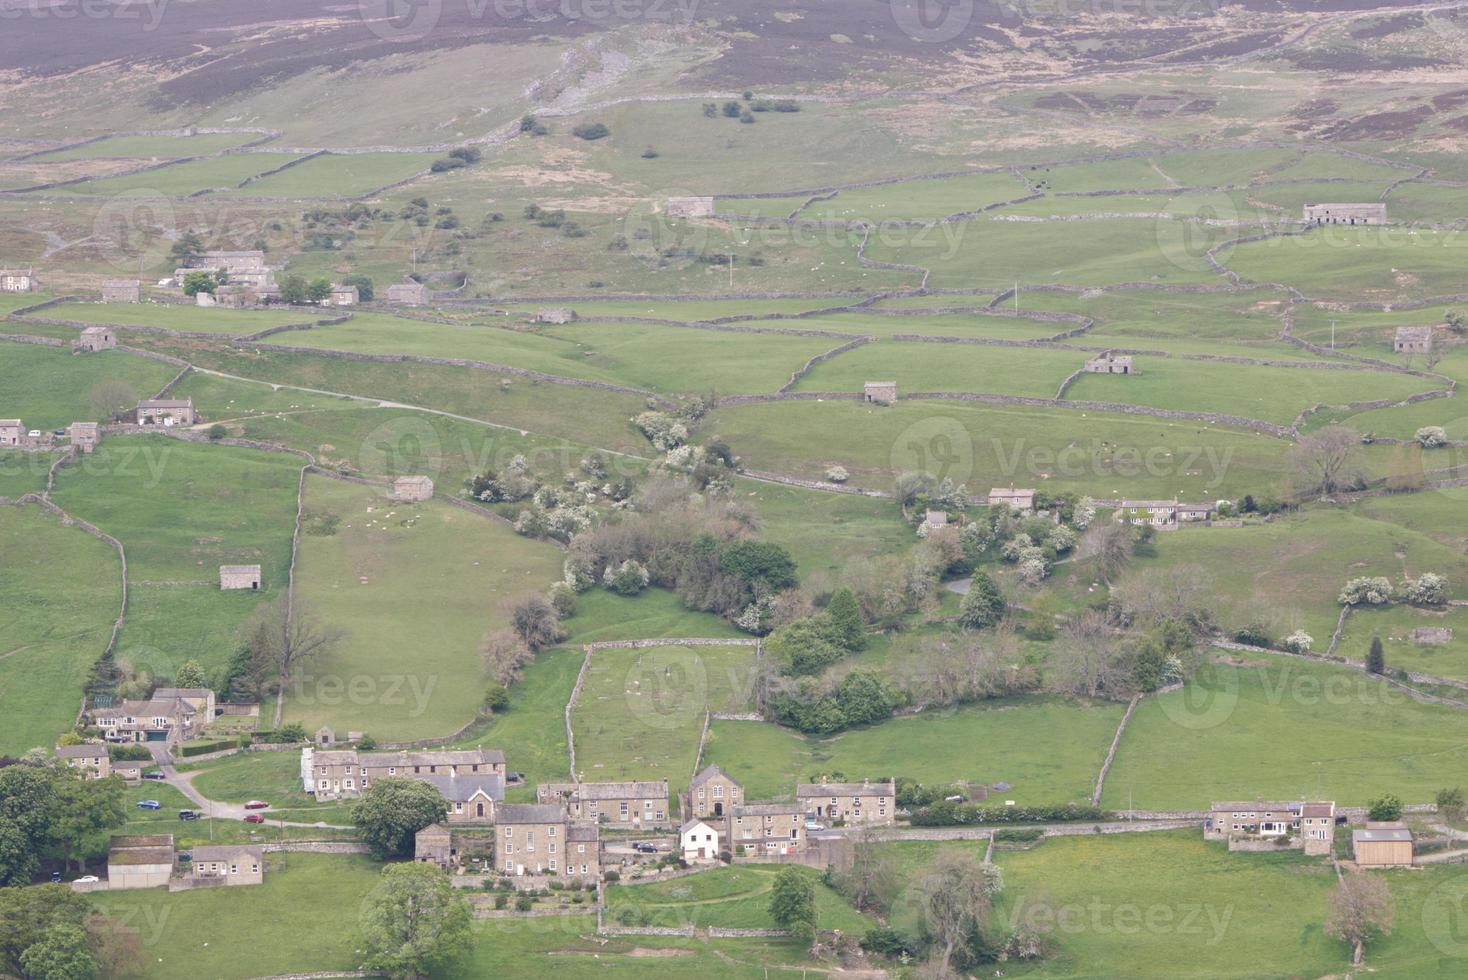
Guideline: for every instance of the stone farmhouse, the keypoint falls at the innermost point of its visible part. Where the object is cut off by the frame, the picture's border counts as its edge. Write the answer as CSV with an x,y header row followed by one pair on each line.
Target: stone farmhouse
x,y
879,392
164,719
1018,499
245,268
627,804
1162,514
766,829
140,861
559,315
935,520
166,411
226,865
17,281
122,291
865,802
690,207
343,296
91,759
239,577
712,792
412,489
408,294
94,339
537,839
1345,214
339,774
698,841
1382,845
1260,825
12,432
1110,364
1413,340
84,436
201,699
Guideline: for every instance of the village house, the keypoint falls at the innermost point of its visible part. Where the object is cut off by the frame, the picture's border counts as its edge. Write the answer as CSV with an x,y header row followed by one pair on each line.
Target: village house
x,y
626,804
472,797
343,296
239,577
879,392
1345,214
1413,340
530,838
767,828
169,720
226,864
1110,364
698,841
412,489
122,291
1309,825
84,436
558,315
246,268
712,792
1162,514
865,802
12,432
140,861
201,699
235,296
166,411
1013,497
434,844
17,281
935,520
1382,845
408,294
131,770
347,773
690,207
91,759
94,339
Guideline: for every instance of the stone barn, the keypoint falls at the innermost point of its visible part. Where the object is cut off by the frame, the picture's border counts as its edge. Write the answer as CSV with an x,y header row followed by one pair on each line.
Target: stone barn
x,y
343,296
166,411
412,488
122,291
239,577
12,432
17,281
1345,214
408,294
1110,364
1413,340
95,339
561,315
879,392
84,435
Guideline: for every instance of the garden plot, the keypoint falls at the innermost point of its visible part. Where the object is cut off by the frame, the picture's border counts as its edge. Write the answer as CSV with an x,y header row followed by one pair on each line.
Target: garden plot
x,y
918,366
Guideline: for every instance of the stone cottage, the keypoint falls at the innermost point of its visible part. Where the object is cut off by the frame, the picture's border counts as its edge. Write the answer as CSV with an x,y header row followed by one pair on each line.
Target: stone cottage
x,y
239,577
879,392
122,291
1262,825
625,804
95,339
92,759
865,802
166,411
17,281
226,864
343,296
1022,500
12,432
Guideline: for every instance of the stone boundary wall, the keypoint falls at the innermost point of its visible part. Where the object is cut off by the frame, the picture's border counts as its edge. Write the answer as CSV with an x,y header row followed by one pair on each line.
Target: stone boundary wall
x,y
68,521
284,166
866,263
1414,676
27,338
685,932
465,363
25,311
323,976
1111,752
262,134
715,932
1071,379
812,484
799,374
173,382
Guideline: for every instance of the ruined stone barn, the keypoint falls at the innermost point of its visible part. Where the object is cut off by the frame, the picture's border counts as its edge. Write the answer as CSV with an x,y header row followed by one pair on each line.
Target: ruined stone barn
x,y
94,339
690,207
1111,364
412,488
239,577
122,291
879,392
1413,340
1345,214
408,294
557,315
17,281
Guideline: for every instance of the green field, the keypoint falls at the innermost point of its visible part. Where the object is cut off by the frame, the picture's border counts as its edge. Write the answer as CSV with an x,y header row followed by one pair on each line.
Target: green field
x,y
181,179
50,388
151,147
735,897
1394,624
395,675
1284,729
337,175
1049,750
640,712
60,590
182,316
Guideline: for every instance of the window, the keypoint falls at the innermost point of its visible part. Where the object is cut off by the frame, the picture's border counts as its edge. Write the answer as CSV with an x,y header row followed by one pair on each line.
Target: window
x,y
234,869
509,831
392,770
509,847
458,808
550,848
552,864
580,848
718,792
529,840
550,831
583,869
325,784
349,782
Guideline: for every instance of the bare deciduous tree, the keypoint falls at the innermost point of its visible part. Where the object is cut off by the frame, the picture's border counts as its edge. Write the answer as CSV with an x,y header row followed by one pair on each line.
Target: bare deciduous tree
x,y
1327,460
1181,592
287,635
1113,544
535,621
1361,909
955,899
1084,657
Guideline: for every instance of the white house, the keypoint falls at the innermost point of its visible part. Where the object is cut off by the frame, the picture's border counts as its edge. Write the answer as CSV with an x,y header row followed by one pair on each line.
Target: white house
x,y
699,841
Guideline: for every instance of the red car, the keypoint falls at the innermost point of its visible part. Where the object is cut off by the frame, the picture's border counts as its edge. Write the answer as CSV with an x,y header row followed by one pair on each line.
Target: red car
x,y
257,805
254,818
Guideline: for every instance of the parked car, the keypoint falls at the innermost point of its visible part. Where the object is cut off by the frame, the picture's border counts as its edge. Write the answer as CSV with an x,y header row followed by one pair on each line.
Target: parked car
x,y
254,818
55,877
157,777
88,880
257,805
149,805
185,856
814,825
188,815
645,847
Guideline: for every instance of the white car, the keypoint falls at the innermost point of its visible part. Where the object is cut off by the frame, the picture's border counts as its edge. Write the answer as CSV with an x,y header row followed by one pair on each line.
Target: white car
x,y
814,825
88,880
